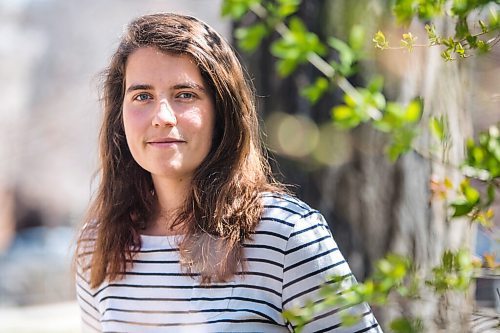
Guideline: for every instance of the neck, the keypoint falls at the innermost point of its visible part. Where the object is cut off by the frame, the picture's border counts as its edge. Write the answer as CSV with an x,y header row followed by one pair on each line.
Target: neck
x,y
170,195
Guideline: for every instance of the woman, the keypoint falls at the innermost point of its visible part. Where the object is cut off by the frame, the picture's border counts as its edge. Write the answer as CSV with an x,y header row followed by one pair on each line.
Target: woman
x,y
188,230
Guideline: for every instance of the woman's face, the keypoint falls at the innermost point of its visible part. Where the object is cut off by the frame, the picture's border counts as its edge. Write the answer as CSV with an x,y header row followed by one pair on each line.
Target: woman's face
x,y
168,113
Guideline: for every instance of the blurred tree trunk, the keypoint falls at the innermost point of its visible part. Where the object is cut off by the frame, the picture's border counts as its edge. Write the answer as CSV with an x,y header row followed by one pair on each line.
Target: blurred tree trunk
x,y
375,206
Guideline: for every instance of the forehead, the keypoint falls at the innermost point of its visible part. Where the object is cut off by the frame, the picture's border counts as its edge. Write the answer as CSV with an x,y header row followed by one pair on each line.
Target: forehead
x,y
153,64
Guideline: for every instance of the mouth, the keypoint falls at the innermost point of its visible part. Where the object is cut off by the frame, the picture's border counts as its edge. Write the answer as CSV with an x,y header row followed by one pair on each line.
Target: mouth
x,y
165,141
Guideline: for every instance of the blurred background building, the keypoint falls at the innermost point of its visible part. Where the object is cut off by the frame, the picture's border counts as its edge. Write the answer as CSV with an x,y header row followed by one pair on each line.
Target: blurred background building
x,y
51,54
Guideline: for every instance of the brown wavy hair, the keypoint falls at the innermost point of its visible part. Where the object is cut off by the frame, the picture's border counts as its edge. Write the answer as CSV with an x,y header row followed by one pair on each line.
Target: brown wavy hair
x,y
223,206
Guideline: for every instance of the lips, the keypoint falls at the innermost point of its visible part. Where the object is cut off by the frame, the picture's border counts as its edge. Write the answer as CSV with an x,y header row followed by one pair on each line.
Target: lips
x,y
165,141
168,140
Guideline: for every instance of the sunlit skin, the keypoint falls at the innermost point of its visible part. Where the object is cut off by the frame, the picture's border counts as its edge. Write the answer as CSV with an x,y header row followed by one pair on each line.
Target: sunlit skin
x,y
169,118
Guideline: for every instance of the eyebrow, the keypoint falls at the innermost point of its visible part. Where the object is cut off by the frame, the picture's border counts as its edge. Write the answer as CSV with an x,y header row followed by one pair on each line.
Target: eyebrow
x,y
135,87
184,85
190,85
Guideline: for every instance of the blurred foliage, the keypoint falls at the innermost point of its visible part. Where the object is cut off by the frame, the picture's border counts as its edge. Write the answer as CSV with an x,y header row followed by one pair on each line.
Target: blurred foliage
x,y
295,47
394,275
481,165
337,61
471,34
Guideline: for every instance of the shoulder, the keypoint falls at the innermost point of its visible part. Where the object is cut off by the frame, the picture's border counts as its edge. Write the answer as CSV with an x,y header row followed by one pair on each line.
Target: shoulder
x,y
285,205
288,214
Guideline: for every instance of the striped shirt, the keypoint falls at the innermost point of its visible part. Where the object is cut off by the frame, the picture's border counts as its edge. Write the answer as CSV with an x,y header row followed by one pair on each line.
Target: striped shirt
x,y
289,257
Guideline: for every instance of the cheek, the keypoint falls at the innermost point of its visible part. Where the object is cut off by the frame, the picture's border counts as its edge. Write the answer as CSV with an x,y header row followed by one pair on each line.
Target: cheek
x,y
200,122
133,121
193,116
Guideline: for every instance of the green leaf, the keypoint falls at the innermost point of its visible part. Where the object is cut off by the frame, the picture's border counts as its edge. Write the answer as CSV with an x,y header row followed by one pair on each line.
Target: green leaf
x,y
287,7
346,55
471,194
379,40
407,325
295,47
297,26
413,111
376,99
429,9
446,55
491,194
236,9
461,208
431,34
250,38
401,142
472,40
286,67
345,116
357,38
376,84
483,26
349,319
461,28
454,273
404,10
494,21
401,325
460,50
408,41
437,127
483,47
314,92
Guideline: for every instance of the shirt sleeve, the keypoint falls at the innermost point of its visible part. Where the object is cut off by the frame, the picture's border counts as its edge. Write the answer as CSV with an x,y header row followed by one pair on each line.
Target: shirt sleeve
x,y
87,302
311,257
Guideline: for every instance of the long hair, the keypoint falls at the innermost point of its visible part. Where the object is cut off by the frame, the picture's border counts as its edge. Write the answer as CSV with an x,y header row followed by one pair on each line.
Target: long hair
x,y
223,205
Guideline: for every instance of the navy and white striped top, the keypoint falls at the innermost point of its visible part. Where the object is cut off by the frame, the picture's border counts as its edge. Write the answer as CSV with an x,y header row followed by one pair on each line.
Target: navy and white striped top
x,y
291,254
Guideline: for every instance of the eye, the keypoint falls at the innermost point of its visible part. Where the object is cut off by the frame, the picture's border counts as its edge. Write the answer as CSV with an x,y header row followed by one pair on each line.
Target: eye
x,y
142,97
186,95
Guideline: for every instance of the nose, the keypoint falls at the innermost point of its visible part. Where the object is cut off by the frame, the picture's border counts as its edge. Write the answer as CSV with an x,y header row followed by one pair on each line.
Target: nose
x,y
165,116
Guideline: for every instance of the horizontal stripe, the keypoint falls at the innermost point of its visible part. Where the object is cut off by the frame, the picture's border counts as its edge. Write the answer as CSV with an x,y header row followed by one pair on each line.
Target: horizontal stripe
x,y
298,232
197,274
366,329
300,247
156,250
192,299
311,290
328,329
287,199
267,247
267,261
180,312
301,214
167,262
270,233
188,287
303,277
252,320
274,219
308,260
270,276
161,274
85,254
